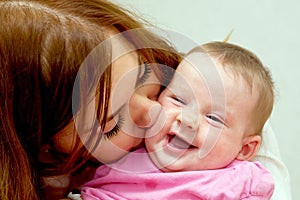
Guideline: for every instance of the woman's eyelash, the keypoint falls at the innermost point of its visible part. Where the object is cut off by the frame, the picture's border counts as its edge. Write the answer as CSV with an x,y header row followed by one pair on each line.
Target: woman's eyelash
x,y
116,128
146,73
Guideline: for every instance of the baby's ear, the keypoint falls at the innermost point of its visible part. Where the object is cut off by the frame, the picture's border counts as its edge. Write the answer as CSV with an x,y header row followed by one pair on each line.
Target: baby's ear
x,y
250,147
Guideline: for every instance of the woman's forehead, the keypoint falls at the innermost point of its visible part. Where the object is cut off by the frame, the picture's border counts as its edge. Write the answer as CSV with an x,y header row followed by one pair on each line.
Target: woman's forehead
x,y
118,44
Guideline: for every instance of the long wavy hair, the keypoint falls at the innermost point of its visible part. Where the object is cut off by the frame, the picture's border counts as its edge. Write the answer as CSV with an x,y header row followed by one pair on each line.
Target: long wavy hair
x,y
42,46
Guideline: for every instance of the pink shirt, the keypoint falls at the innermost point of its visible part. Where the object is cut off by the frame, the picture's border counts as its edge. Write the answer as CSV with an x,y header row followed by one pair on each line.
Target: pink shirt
x,y
136,177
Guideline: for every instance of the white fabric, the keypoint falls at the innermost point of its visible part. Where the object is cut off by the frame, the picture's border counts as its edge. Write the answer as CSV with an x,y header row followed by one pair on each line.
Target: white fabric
x,y
269,156
74,196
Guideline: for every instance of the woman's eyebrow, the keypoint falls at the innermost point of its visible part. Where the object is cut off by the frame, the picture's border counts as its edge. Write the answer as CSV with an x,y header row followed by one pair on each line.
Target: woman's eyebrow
x,y
139,70
110,117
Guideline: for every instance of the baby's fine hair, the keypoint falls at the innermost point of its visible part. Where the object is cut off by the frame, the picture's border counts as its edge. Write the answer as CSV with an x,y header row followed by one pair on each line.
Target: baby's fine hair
x,y
242,62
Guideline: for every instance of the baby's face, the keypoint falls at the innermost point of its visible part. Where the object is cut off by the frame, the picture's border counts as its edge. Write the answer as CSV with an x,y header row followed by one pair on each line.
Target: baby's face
x,y
204,118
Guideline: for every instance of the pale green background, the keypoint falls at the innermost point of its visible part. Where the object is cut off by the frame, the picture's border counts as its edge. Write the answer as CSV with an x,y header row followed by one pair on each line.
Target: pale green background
x,y
269,28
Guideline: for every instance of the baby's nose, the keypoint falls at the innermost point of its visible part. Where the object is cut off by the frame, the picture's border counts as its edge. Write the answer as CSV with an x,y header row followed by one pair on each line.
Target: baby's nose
x,y
189,119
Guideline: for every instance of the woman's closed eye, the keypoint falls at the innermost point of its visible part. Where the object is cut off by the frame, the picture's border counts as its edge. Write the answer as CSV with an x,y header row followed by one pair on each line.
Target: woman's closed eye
x,y
113,131
144,72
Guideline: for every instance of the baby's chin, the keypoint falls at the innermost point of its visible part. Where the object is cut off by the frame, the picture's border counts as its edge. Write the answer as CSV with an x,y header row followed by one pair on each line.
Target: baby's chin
x,y
172,168
172,164
167,164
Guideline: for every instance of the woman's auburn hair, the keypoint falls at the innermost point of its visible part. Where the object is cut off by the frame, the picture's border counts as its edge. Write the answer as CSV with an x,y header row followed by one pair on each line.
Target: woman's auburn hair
x,y
42,46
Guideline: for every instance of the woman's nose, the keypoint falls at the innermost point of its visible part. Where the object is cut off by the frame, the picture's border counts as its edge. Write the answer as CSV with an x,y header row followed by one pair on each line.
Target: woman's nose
x,y
188,118
143,111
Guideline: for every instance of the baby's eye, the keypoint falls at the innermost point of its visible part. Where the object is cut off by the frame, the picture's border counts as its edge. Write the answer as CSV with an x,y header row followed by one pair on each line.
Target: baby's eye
x,y
177,100
215,119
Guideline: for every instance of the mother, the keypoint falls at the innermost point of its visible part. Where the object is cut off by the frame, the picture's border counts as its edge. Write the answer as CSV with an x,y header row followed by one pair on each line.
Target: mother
x,y
42,46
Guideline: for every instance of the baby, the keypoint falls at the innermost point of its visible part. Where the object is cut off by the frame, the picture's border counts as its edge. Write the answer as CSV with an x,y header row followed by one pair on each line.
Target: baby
x,y
205,137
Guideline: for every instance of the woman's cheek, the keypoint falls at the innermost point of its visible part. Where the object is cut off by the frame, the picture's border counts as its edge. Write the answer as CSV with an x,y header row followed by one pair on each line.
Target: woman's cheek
x,y
110,150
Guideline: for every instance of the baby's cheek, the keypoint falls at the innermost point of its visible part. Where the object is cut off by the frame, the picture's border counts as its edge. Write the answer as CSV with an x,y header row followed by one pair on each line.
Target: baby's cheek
x,y
143,111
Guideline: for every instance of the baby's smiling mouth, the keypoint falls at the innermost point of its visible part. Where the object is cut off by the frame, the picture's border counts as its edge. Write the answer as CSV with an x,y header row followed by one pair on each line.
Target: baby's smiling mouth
x,y
176,142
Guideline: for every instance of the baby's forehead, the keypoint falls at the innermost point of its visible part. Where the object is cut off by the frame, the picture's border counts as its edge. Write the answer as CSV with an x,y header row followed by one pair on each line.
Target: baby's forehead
x,y
203,63
191,77
200,65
